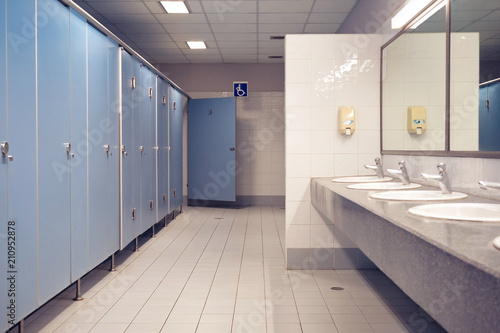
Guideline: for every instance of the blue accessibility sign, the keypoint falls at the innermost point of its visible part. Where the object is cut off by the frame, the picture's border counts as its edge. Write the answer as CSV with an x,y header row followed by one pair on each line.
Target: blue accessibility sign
x,y
240,89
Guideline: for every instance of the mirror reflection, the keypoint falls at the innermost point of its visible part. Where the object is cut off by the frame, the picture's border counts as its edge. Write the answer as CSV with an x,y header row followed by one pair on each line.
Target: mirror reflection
x,y
414,88
475,76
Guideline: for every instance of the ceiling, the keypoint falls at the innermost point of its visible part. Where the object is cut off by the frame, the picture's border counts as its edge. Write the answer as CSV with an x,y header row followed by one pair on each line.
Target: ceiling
x,y
239,31
235,31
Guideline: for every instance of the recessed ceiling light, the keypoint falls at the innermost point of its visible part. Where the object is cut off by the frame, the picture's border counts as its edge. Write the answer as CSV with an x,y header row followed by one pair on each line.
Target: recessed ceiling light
x,y
196,45
175,7
408,12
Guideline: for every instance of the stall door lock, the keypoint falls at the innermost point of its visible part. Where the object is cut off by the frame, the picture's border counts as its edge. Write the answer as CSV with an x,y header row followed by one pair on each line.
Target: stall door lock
x,y
5,148
133,214
141,148
151,205
67,145
124,151
164,198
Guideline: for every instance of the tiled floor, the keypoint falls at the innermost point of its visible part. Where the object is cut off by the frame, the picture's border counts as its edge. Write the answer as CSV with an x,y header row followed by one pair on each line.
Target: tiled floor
x,y
222,270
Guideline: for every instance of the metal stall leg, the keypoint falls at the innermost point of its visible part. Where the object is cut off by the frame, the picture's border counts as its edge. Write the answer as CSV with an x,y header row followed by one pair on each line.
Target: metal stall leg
x,y
112,267
165,221
136,249
78,291
153,235
20,326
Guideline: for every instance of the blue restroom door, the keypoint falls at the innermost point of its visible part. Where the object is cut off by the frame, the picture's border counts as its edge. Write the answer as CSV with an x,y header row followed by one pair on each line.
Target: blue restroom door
x,y
175,142
22,172
53,156
3,166
211,149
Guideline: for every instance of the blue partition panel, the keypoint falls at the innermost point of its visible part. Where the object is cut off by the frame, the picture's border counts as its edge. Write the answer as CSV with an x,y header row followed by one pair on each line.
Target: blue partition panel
x,y
131,158
175,140
3,170
148,156
112,214
489,117
162,143
53,157
103,211
79,145
22,176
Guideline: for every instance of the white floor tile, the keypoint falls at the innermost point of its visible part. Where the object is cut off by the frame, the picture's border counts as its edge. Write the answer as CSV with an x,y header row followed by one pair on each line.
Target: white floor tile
x,y
204,274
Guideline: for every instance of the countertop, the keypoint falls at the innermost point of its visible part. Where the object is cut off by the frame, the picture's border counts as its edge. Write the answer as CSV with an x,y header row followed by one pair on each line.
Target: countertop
x,y
471,242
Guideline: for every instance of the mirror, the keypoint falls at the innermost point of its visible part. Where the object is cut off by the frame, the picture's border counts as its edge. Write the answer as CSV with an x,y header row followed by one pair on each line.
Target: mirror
x,y
475,76
414,74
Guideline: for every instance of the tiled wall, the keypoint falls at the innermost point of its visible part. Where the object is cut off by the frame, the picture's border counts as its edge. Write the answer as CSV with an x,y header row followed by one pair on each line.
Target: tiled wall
x,y
414,74
323,72
260,147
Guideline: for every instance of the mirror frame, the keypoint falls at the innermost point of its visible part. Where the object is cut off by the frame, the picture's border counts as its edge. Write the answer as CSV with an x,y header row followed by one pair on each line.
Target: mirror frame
x,y
446,152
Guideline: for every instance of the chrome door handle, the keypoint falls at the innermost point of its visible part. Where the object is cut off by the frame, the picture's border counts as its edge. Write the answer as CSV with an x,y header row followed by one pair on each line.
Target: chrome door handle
x,y
232,149
5,147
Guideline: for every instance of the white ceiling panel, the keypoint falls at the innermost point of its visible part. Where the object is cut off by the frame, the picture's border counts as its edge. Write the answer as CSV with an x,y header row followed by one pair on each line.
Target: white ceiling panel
x,y
327,18
285,6
157,53
154,7
181,18
238,51
194,6
229,7
141,28
233,18
150,37
131,18
340,6
283,18
207,52
494,16
235,37
473,5
156,45
186,37
234,28
322,28
272,43
468,15
186,28
110,7
227,45
282,28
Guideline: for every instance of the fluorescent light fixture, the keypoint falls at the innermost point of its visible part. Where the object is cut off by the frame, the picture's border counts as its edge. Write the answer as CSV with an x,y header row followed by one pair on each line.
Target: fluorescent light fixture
x,y
429,14
196,45
175,7
412,8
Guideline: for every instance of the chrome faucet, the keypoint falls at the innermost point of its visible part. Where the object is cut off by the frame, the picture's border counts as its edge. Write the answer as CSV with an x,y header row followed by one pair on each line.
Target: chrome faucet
x,y
377,168
441,178
486,185
402,173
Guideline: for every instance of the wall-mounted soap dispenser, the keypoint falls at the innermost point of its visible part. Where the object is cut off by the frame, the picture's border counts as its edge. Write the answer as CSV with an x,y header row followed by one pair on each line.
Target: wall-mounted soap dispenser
x,y
347,122
417,120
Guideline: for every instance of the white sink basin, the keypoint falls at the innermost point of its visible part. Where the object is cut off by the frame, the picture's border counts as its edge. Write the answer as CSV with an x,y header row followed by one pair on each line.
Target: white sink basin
x,y
383,186
496,243
478,212
417,196
361,179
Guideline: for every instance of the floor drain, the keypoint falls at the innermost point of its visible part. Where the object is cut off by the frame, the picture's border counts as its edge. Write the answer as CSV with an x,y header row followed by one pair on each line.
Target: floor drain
x,y
337,288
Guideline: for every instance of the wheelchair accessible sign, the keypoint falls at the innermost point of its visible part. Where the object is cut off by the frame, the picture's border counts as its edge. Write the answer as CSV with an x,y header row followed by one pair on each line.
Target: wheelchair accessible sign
x,y
240,89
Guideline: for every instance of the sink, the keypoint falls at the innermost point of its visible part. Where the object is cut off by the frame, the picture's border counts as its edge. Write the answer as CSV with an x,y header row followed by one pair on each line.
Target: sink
x,y
383,186
479,212
417,195
361,179
496,243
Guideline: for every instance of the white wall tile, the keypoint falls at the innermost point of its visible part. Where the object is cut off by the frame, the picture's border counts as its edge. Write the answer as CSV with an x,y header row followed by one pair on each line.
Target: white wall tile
x,y
298,165
322,46
298,236
298,212
297,70
298,189
322,165
297,47
323,142
299,118
298,142
297,94
321,236
323,118
346,164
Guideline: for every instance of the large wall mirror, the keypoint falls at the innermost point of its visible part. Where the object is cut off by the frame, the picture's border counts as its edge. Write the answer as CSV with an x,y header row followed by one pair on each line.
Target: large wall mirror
x,y
414,74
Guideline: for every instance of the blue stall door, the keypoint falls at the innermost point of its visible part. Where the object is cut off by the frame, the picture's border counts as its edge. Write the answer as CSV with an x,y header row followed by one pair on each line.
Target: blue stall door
x,y
22,175
148,154
53,151
162,144
489,117
3,166
211,149
176,109
79,145
131,155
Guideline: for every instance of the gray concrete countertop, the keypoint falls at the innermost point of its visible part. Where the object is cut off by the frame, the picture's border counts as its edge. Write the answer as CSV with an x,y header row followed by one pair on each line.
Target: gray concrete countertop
x,y
471,242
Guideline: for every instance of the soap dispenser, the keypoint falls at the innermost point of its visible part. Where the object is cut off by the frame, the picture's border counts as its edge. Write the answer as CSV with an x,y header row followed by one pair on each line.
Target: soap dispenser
x,y
347,123
416,119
